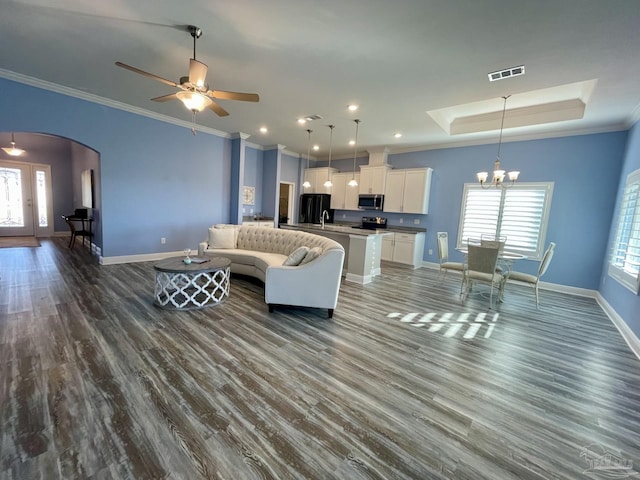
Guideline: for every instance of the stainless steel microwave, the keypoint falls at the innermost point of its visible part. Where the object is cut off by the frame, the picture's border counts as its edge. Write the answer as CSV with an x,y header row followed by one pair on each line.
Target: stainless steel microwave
x,y
370,202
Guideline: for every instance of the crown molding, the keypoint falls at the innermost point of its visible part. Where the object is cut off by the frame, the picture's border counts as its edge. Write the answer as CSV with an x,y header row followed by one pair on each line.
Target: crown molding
x,y
635,117
240,135
90,97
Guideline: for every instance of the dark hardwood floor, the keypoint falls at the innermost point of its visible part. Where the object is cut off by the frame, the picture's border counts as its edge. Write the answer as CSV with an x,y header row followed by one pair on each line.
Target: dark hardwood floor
x,y
403,383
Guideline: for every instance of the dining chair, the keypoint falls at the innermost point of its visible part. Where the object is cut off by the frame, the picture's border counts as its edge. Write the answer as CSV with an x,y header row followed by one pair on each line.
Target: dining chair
x,y
496,242
534,280
481,267
443,255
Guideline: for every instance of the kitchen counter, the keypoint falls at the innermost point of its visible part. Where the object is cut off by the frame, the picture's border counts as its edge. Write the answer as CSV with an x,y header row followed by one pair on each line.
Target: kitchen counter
x,y
363,248
336,227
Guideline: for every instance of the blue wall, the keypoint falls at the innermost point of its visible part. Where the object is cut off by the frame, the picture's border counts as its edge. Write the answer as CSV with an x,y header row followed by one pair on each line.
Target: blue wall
x,y
158,180
253,178
585,170
623,301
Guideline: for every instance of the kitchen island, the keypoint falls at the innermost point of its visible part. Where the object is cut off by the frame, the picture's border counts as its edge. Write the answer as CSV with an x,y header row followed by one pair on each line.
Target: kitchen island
x,y
363,248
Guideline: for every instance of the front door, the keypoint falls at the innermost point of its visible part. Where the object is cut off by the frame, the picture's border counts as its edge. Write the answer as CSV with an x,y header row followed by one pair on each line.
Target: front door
x,y
16,201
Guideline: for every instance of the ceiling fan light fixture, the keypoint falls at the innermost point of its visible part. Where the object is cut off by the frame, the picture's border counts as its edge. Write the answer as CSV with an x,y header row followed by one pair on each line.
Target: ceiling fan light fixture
x,y
12,150
194,101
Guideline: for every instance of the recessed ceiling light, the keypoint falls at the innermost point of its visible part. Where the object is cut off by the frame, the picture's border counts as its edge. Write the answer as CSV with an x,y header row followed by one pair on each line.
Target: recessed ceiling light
x,y
352,142
302,121
352,107
263,130
316,147
397,135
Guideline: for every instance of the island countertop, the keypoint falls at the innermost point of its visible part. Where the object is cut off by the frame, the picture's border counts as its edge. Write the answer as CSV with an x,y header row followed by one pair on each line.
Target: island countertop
x,y
351,228
336,228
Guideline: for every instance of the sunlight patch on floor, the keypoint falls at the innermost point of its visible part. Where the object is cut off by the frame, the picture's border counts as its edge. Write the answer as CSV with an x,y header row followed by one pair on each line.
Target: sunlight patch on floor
x,y
451,324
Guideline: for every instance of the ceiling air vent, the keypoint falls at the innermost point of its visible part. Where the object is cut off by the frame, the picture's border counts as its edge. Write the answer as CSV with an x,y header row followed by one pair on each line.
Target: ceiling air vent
x,y
508,73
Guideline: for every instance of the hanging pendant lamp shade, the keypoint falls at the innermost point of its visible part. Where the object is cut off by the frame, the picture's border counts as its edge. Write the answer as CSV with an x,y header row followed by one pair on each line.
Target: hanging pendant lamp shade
x,y
306,183
353,182
328,183
12,150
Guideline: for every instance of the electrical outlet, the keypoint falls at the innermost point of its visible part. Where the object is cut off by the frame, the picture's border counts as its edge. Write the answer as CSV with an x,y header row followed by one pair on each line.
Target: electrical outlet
x,y
401,220
163,240
344,215
416,221
430,251
251,211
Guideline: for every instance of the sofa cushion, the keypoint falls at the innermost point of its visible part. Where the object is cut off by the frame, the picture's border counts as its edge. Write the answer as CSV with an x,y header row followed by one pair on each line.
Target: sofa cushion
x,y
221,238
314,253
241,257
296,256
265,260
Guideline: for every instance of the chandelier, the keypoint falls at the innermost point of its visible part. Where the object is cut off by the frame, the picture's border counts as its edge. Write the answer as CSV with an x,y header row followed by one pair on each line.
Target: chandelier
x,y
307,183
498,173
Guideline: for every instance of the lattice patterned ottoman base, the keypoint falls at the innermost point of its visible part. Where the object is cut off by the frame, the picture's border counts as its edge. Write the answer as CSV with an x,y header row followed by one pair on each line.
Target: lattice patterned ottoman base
x,y
186,287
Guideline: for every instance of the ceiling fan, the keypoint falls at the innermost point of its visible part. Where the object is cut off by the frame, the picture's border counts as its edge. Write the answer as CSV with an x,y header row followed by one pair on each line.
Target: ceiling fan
x,y
194,91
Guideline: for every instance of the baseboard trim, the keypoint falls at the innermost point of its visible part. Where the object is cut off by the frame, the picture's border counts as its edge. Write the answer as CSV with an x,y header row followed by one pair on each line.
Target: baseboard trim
x,y
359,279
145,257
627,334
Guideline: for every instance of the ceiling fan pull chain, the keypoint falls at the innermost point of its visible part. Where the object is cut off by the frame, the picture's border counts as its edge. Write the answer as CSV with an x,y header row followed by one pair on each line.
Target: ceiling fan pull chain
x,y
193,120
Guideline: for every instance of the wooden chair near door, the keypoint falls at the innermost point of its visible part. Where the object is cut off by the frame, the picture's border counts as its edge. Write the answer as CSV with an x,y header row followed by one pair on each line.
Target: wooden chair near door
x,y
75,232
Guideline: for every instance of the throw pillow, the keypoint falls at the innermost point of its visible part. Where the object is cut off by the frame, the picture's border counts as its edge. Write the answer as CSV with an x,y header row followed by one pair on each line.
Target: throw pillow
x,y
314,253
221,238
296,257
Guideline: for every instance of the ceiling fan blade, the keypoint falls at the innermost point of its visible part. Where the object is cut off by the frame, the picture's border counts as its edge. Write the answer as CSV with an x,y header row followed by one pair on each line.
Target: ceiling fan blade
x,y
245,97
221,112
197,73
147,74
165,98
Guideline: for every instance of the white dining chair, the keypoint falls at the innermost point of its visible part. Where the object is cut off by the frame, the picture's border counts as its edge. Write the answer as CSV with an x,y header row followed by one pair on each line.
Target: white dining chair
x,y
534,280
481,267
443,255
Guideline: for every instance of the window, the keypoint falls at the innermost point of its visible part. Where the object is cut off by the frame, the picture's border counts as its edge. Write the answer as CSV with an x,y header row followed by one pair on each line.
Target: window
x,y
625,257
520,213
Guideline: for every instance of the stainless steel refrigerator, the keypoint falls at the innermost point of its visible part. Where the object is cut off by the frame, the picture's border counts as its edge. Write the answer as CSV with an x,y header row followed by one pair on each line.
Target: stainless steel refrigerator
x,y
312,205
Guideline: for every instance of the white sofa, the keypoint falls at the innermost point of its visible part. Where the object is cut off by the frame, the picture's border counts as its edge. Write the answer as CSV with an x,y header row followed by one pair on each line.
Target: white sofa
x,y
260,252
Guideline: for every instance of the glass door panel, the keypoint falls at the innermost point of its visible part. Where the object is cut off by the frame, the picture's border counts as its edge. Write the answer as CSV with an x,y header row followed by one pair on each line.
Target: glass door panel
x,y
16,212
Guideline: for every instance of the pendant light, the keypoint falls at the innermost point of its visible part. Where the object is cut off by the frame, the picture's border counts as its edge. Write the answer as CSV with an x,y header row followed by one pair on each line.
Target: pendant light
x,y
328,183
306,183
12,150
498,174
353,182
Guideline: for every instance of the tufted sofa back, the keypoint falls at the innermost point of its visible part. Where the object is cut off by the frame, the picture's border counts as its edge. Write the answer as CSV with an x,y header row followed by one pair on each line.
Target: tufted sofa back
x,y
282,241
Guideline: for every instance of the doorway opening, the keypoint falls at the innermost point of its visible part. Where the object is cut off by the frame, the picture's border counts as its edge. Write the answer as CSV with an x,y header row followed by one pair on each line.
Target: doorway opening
x,y
285,202
26,207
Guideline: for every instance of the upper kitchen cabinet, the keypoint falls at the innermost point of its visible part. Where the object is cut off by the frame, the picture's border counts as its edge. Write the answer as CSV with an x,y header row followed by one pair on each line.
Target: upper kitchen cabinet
x,y
373,179
407,191
344,197
317,177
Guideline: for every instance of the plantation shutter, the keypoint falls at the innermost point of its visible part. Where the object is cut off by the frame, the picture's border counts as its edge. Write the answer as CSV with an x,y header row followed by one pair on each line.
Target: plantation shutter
x,y
625,258
519,213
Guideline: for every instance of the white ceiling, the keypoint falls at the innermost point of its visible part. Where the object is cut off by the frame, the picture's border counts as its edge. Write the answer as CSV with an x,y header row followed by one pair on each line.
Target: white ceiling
x,y
397,60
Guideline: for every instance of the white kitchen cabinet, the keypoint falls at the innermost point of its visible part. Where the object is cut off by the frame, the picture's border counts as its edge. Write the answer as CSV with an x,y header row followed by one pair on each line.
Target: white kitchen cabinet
x,y
373,179
387,247
317,177
407,191
344,197
259,223
405,248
